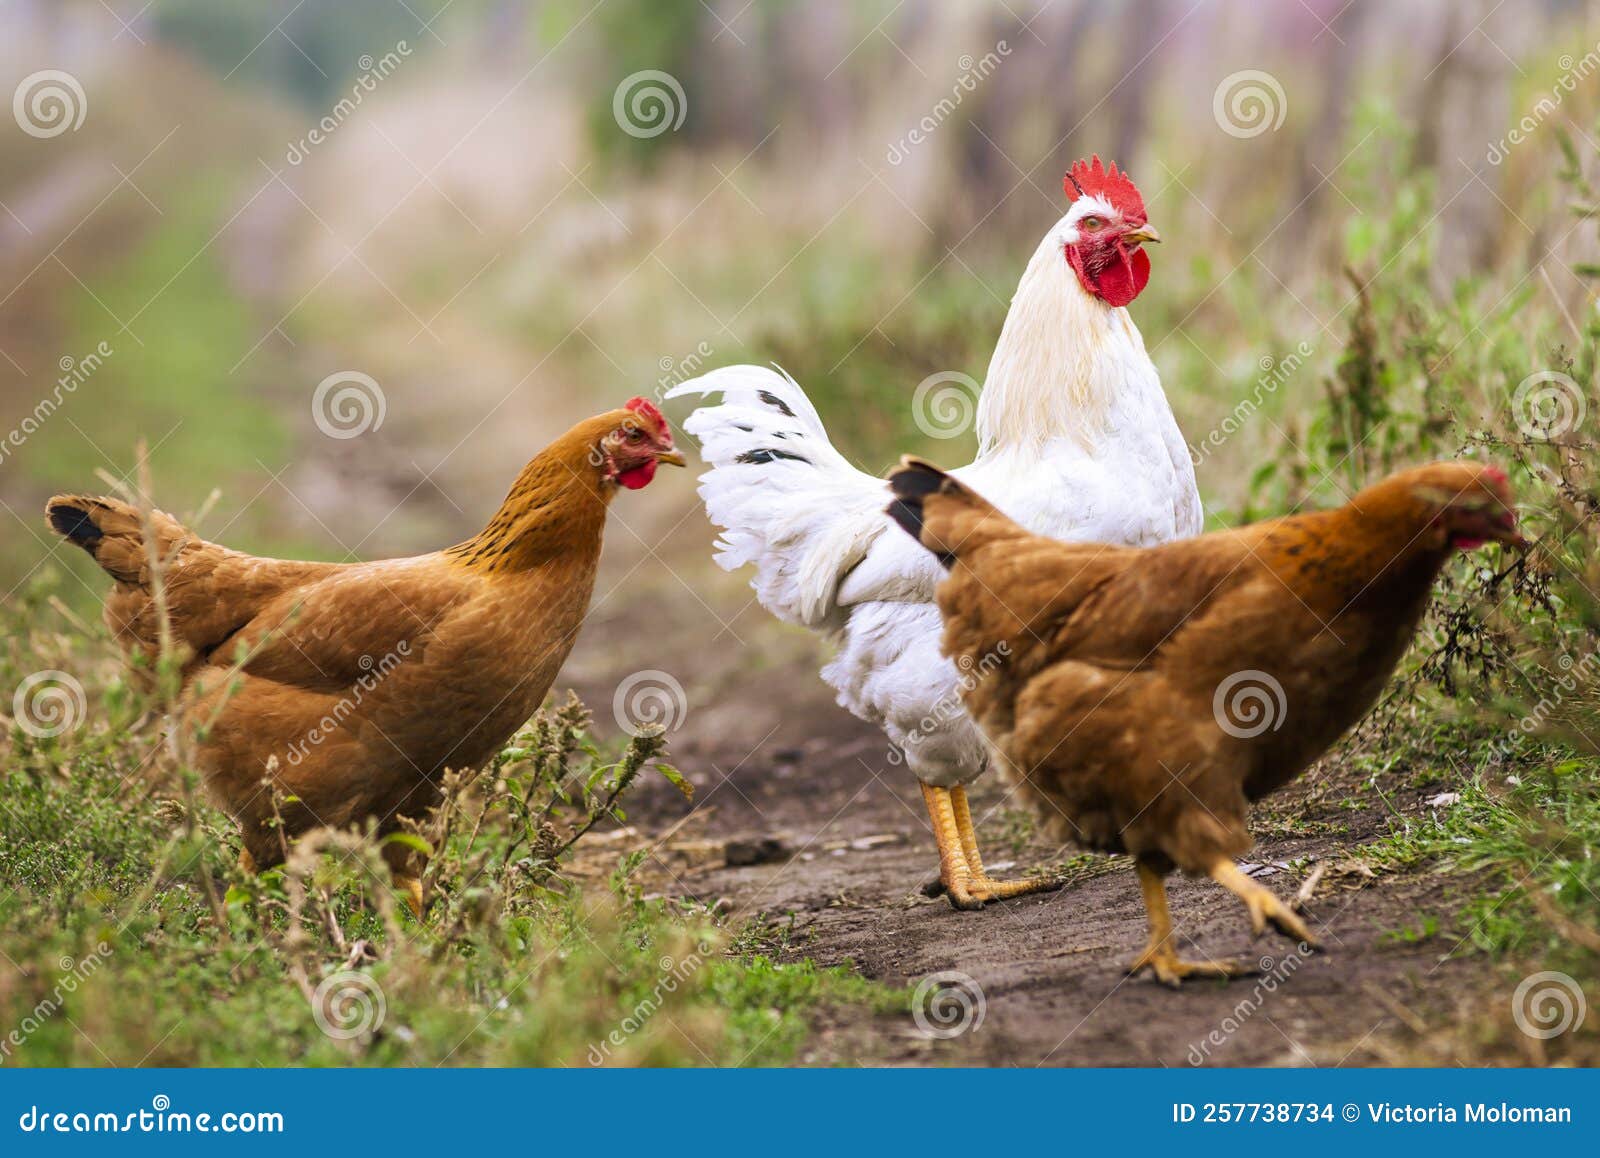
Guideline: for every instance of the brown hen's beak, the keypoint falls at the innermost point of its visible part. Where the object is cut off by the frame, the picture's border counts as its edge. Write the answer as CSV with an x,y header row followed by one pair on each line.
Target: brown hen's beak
x,y
1146,232
671,457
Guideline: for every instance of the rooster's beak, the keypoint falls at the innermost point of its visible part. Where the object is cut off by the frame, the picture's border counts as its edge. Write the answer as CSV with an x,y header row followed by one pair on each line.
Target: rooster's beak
x,y
1142,234
671,457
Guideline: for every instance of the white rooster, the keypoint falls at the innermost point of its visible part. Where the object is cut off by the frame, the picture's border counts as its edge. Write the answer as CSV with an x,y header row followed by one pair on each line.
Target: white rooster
x,y
1076,440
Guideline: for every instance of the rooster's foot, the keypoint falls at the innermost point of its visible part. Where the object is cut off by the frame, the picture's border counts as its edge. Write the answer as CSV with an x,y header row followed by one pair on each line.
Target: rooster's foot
x,y
986,888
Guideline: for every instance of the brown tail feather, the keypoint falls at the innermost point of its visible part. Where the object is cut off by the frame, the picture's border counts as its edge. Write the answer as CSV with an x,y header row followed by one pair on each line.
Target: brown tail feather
x,y
943,514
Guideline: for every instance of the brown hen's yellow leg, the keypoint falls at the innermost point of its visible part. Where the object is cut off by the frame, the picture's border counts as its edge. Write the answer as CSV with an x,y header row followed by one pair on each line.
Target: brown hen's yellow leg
x,y
1159,956
1263,904
954,873
985,887
412,888
247,863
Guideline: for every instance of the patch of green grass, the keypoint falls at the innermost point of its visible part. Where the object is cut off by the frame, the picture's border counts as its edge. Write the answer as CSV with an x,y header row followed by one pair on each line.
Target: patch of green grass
x,y
132,938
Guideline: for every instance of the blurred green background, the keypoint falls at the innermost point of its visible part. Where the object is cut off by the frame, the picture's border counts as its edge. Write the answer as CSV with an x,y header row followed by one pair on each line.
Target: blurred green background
x,y
440,195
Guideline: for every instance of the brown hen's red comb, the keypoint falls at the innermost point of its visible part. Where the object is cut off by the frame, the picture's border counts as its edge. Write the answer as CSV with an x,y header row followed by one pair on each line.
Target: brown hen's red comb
x,y
1091,179
646,408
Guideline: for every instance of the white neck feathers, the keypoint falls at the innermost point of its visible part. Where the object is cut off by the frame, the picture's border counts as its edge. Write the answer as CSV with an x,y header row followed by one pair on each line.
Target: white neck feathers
x,y
1062,360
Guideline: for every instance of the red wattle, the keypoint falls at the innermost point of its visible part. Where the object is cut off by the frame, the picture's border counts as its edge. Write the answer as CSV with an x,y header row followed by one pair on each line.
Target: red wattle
x,y
639,476
1125,279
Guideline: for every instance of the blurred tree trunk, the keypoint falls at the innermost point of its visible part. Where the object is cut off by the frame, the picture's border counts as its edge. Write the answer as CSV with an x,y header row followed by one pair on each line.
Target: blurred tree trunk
x,y
1464,101
1142,28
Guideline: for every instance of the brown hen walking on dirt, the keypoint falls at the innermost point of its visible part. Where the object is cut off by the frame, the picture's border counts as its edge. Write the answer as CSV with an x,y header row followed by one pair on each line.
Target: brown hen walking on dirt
x,y
1146,696
361,682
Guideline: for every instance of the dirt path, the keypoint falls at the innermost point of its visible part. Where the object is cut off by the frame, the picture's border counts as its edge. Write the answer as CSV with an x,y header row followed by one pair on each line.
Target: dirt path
x,y
774,759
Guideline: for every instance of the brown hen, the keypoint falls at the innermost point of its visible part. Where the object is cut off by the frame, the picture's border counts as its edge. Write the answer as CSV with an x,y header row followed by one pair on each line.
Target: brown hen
x,y
1142,698
355,685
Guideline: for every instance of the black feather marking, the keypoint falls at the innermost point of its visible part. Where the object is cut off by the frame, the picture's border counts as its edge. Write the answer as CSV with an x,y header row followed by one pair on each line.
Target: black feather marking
x,y
743,427
912,483
772,399
770,454
76,525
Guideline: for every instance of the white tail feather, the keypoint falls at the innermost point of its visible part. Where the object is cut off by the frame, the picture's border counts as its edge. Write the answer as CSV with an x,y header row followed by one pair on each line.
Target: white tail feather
x,y
786,500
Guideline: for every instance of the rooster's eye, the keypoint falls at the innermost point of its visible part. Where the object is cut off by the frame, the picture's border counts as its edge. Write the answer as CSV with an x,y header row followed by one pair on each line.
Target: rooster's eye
x,y
1091,223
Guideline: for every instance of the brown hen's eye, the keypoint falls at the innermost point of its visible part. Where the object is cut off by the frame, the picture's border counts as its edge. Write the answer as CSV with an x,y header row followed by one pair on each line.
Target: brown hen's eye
x,y
635,435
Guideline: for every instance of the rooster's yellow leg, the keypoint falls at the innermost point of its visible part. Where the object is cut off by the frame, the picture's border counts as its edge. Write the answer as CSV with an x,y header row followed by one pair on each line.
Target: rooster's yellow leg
x,y
985,887
954,873
412,887
1159,956
1264,906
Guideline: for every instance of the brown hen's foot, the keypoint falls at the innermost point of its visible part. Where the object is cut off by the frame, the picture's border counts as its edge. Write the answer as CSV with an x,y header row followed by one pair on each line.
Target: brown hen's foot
x,y
1170,969
1264,905
1159,956
983,886
412,888
955,875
